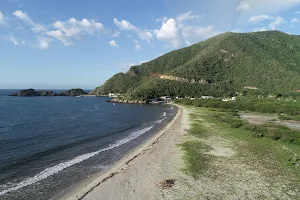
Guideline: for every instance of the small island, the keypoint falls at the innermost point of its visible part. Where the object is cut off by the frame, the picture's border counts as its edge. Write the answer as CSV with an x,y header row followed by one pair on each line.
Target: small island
x,y
49,93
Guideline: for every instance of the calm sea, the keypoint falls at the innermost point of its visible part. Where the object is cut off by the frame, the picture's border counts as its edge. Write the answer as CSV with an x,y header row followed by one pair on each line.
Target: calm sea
x,y
48,144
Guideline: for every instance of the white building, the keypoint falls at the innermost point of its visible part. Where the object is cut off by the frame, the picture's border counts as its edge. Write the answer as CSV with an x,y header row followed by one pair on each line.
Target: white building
x,y
207,97
113,95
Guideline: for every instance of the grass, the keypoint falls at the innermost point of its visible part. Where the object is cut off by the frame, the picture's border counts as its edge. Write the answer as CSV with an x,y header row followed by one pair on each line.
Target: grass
x,y
272,146
286,117
288,109
269,143
195,161
272,131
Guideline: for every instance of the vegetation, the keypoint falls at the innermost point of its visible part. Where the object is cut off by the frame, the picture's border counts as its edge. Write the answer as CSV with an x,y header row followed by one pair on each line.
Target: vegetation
x,y
274,147
264,105
272,131
195,161
218,67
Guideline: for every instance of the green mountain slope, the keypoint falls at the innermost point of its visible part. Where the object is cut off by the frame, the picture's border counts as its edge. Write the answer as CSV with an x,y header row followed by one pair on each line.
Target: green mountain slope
x,y
220,66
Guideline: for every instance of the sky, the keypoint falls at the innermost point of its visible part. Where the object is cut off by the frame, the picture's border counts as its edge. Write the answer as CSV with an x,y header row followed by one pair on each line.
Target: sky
x,y
63,44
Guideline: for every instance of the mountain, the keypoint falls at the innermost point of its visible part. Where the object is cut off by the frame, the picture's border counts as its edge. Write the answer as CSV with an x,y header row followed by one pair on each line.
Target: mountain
x,y
267,62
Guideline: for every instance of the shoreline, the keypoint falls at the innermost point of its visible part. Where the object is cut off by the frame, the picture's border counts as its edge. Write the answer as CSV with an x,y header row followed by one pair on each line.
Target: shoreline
x,y
83,188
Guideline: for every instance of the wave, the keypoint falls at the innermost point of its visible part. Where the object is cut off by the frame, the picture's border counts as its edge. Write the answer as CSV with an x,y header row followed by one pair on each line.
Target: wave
x,y
160,121
36,156
96,107
60,167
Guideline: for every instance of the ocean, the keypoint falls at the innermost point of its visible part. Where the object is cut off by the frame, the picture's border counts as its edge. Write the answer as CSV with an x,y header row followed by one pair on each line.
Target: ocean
x,y
48,144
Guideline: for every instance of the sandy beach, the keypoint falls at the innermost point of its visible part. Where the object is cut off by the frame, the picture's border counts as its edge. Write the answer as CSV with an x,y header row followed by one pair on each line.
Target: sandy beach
x,y
140,175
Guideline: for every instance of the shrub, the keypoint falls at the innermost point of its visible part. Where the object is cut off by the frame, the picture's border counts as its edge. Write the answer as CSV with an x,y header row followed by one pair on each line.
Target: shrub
x,y
257,131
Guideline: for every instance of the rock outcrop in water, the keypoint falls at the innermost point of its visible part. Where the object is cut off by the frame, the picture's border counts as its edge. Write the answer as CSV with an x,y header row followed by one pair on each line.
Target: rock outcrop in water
x,y
73,92
49,93
32,92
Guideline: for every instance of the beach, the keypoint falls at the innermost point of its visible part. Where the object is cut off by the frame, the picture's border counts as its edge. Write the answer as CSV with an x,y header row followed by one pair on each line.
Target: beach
x,y
58,149
141,174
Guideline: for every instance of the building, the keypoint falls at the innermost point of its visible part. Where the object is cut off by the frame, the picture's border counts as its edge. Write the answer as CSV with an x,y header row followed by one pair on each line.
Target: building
x,y
207,97
166,98
229,99
113,95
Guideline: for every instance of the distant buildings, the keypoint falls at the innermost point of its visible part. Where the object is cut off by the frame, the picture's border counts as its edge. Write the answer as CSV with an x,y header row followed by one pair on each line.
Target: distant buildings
x,y
114,95
162,99
207,97
250,87
229,99
166,98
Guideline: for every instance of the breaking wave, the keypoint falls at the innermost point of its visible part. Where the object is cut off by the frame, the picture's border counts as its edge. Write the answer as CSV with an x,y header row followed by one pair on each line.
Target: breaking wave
x,y
60,167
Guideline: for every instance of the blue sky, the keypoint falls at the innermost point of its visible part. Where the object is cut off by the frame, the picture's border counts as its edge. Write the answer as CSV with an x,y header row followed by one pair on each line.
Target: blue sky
x,y
62,44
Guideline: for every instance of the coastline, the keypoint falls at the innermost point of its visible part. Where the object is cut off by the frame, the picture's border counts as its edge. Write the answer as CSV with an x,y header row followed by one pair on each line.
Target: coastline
x,y
91,184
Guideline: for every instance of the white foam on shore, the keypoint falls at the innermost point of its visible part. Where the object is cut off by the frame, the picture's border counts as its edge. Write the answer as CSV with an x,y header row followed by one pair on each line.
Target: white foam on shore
x,y
57,168
160,121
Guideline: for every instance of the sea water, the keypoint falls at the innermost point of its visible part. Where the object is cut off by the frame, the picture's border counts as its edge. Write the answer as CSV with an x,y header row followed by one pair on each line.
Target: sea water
x,y
48,144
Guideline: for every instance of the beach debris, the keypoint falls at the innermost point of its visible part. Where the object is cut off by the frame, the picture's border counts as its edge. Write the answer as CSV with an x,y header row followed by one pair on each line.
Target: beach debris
x,y
167,184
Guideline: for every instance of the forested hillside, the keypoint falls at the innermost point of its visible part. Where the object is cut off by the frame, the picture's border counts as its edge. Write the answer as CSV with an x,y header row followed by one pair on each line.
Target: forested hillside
x,y
220,66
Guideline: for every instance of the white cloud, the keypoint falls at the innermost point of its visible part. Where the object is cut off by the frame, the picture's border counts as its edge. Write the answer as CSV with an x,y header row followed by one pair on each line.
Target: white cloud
x,y
73,29
137,47
113,43
266,5
12,39
295,20
194,34
124,25
243,6
187,16
25,17
177,34
145,35
2,19
39,28
274,22
116,34
170,33
163,19
44,42
124,66
259,18
259,29
60,36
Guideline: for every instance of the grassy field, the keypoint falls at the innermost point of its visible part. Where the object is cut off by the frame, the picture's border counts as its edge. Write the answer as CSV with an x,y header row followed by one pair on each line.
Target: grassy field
x,y
220,146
